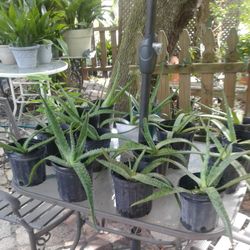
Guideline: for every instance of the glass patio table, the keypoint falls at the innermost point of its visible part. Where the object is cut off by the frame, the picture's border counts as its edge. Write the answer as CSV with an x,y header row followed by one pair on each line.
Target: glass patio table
x,y
163,221
19,84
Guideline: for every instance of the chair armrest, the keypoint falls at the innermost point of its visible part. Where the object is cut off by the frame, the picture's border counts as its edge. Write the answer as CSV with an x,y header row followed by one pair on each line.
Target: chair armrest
x,y
14,202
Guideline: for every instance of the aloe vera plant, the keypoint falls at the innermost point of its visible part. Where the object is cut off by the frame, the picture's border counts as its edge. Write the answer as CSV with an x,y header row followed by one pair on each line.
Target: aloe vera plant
x,y
27,145
210,176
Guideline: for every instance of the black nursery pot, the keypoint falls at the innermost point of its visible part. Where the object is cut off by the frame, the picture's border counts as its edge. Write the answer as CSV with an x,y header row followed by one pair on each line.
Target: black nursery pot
x,y
96,144
69,186
50,147
128,192
97,120
197,211
179,146
230,173
22,164
243,130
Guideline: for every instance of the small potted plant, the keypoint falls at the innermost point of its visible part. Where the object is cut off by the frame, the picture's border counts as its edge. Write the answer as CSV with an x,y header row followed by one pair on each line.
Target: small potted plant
x,y
78,17
182,127
72,166
131,184
23,154
24,26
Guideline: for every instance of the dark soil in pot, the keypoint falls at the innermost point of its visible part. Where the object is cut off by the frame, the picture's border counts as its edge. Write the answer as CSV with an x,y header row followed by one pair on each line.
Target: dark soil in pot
x,y
22,164
127,193
179,146
197,211
96,144
69,186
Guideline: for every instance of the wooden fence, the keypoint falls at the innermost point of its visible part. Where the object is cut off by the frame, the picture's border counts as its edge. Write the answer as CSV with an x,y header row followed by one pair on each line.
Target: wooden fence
x,y
100,61
206,71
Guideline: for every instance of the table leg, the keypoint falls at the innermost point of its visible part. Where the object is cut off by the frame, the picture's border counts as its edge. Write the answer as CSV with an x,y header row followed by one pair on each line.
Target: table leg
x,y
79,223
13,97
135,244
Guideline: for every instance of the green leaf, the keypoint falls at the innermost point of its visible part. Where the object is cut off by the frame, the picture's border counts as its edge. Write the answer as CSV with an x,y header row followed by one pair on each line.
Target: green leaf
x,y
234,181
12,148
82,137
149,180
159,194
57,130
217,203
138,160
117,167
85,179
217,171
147,135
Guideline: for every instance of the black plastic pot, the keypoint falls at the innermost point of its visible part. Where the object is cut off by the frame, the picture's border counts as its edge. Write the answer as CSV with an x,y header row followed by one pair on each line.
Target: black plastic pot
x,y
22,164
69,186
179,146
243,130
197,211
97,120
230,173
127,193
96,144
50,147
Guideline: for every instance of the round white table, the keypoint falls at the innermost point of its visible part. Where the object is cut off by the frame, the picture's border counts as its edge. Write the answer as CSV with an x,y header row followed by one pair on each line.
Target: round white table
x,y
17,81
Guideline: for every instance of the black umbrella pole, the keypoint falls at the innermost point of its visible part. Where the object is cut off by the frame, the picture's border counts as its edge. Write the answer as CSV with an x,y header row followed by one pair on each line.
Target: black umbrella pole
x,y
147,61
144,100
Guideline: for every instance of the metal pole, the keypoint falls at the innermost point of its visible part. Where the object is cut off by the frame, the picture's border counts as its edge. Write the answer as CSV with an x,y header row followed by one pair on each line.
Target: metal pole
x,y
135,244
147,61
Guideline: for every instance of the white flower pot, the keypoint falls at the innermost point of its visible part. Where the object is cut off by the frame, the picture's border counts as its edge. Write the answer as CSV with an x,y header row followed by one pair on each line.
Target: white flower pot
x,y
6,56
78,41
26,57
44,53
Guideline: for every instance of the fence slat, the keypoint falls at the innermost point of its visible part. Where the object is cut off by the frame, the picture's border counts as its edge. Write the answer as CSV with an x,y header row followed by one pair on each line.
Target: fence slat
x,y
164,89
184,84
208,56
231,56
104,60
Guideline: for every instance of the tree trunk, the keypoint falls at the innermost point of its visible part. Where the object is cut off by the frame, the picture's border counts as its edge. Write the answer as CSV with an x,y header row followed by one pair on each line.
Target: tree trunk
x,y
172,17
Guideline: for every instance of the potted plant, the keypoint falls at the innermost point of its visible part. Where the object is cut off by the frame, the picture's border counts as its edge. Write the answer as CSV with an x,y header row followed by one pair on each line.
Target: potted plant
x,y
200,193
72,166
131,184
24,26
131,118
78,17
6,56
162,148
23,154
182,127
